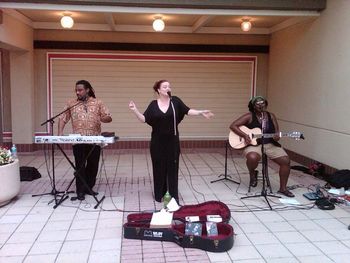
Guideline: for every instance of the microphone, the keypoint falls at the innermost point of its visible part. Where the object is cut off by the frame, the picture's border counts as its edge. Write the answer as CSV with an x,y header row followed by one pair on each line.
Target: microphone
x,y
169,94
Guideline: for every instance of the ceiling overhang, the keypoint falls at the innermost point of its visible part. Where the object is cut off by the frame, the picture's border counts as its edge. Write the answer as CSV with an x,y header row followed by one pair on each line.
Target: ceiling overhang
x,y
206,11
304,5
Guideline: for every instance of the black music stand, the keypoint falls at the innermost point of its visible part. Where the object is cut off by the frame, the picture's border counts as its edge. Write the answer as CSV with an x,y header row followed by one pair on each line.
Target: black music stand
x,y
54,191
225,175
265,177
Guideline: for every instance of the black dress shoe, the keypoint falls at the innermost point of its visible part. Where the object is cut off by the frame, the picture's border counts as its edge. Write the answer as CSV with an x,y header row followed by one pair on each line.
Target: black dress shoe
x,y
81,196
91,193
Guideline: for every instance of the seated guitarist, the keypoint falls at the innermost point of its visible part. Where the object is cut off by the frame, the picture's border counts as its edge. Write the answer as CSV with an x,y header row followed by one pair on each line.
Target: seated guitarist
x,y
258,117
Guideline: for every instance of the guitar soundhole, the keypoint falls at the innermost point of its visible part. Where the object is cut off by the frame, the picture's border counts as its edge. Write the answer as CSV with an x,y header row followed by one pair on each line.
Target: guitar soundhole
x,y
258,141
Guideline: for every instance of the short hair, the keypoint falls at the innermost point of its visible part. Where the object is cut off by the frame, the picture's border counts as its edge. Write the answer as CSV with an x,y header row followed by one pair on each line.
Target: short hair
x,y
87,85
253,100
158,83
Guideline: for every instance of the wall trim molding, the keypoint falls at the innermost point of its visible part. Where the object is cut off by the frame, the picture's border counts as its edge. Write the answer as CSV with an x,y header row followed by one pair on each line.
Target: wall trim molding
x,y
80,45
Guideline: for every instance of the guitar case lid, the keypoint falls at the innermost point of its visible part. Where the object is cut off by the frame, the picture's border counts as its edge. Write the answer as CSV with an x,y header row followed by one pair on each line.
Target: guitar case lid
x,y
201,210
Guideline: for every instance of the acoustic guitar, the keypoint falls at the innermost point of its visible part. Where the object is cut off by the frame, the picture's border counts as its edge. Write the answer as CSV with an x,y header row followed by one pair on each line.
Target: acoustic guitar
x,y
238,142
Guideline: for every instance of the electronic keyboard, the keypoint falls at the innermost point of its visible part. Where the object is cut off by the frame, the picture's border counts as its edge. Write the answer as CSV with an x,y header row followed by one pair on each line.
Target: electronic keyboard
x,y
74,139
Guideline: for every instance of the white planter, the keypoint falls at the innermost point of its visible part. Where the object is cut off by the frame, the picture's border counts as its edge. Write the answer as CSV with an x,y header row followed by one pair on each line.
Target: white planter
x,y
10,182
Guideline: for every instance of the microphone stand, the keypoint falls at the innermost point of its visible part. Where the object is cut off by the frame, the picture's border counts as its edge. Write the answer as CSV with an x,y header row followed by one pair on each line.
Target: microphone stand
x,y
175,134
264,171
226,177
51,121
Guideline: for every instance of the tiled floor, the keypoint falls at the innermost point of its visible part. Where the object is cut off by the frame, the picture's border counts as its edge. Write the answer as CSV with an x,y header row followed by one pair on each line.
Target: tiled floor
x,y
32,231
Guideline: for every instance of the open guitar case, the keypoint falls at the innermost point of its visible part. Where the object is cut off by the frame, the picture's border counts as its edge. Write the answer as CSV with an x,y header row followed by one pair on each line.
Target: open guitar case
x,y
138,227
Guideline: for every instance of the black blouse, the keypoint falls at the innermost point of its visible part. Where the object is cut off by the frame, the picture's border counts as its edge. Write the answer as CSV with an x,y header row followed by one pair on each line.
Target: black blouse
x,y
163,123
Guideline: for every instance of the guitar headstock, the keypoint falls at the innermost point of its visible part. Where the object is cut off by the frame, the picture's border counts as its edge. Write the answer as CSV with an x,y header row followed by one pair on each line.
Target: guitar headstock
x,y
297,135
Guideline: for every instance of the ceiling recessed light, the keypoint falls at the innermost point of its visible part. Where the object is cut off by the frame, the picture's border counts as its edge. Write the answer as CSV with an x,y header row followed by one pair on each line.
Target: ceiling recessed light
x,y
158,25
67,21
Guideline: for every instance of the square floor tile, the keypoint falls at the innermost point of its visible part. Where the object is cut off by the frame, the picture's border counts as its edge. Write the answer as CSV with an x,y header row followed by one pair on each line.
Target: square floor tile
x,y
111,256
57,225
218,257
15,249
47,236
19,237
243,252
8,228
80,234
318,235
241,240
82,224
273,251
106,244
313,259
293,215
282,260
346,243
77,247
247,261
302,225
339,213
279,227
254,228
332,247
331,223
303,249
42,248
262,238
246,218
31,227
72,257
340,258
339,234
316,213
269,216
11,259
290,237
40,258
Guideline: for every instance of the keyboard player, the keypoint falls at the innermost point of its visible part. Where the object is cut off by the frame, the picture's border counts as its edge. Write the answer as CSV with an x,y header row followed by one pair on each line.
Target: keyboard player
x,y
86,120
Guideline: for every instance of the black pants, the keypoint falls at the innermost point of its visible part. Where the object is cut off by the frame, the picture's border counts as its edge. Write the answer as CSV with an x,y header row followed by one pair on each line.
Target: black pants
x,y
87,168
165,152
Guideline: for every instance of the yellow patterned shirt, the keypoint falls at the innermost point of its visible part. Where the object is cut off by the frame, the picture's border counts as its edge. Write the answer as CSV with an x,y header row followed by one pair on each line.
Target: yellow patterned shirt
x,y
86,117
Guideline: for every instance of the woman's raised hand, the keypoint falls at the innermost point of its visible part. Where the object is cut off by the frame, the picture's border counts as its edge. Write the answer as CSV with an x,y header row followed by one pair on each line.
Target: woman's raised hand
x,y
207,114
132,106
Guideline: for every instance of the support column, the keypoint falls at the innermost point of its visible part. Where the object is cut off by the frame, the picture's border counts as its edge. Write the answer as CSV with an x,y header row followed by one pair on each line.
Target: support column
x,y
22,98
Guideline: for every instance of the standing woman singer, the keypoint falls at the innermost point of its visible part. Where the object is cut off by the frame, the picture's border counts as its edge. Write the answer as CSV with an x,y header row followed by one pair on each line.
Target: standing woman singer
x,y
165,144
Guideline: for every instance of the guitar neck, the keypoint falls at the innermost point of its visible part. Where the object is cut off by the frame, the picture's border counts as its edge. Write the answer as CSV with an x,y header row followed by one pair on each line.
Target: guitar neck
x,y
270,135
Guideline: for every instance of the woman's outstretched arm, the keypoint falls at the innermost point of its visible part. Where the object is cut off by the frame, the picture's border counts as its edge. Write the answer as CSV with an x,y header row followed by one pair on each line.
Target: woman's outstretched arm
x,y
139,115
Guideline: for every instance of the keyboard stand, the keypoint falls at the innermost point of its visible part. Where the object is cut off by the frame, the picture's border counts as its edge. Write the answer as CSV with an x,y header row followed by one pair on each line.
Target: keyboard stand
x,y
76,175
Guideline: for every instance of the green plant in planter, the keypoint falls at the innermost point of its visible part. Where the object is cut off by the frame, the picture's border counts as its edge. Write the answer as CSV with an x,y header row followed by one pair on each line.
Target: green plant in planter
x,y
5,156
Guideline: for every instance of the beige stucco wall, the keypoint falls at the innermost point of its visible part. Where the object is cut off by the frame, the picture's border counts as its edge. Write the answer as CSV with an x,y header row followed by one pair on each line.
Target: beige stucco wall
x,y
309,84
17,37
14,34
